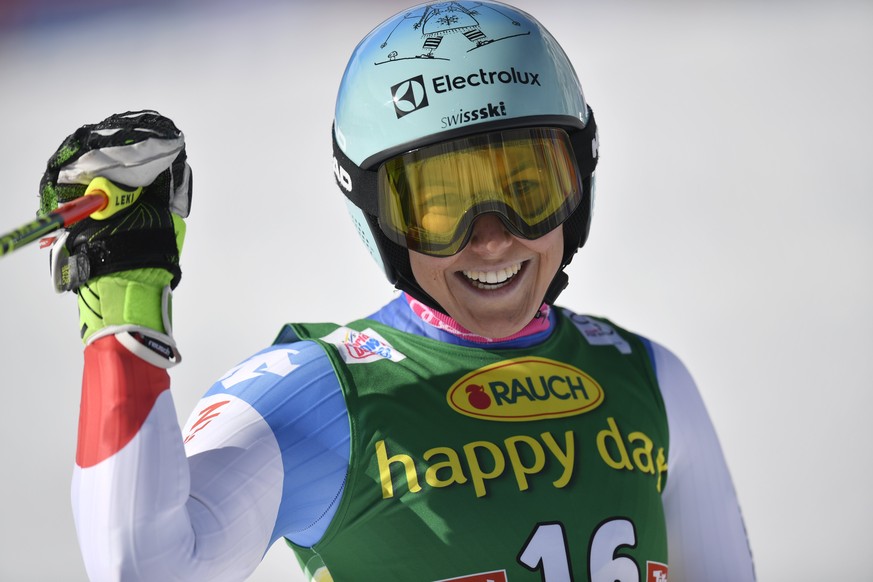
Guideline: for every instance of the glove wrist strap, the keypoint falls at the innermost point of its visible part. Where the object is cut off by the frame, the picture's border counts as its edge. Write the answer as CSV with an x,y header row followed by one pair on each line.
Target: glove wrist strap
x,y
158,349
123,251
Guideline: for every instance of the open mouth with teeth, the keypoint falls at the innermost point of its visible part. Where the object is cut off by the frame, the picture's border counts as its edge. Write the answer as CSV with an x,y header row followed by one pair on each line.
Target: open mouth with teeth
x,y
490,280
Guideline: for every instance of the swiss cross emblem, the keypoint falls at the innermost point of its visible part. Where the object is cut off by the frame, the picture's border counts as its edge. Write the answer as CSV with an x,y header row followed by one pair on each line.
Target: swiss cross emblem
x,y
656,572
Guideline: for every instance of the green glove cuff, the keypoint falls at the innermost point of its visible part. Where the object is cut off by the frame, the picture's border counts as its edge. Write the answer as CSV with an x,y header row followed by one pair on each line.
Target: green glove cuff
x,y
131,298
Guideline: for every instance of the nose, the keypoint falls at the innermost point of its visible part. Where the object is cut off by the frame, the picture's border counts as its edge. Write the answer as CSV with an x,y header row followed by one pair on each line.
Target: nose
x,y
489,236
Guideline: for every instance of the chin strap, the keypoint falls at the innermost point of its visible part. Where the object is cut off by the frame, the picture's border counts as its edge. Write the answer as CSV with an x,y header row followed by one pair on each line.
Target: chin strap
x,y
559,283
406,283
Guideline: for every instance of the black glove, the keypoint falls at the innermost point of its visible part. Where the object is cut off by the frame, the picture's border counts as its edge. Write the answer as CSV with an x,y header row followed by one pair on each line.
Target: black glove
x,y
123,261
142,154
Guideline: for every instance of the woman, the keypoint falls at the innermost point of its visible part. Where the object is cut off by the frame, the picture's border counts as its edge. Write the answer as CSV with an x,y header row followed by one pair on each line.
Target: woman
x,y
469,430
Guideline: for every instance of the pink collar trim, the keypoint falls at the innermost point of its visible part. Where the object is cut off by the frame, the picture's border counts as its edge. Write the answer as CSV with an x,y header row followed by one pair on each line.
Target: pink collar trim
x,y
445,323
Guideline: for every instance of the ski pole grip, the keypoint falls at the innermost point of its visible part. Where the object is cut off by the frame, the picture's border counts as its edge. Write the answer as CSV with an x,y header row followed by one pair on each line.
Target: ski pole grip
x,y
117,199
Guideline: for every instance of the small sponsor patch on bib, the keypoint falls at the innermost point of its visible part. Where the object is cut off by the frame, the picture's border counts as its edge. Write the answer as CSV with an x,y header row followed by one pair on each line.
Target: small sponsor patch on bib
x,y
656,572
598,333
361,347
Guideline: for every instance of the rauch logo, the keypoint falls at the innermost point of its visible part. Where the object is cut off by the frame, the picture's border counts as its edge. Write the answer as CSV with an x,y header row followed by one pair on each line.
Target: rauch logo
x,y
525,389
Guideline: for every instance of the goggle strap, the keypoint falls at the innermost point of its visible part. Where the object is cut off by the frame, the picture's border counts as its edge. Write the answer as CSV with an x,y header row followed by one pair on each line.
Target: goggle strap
x,y
359,186
586,147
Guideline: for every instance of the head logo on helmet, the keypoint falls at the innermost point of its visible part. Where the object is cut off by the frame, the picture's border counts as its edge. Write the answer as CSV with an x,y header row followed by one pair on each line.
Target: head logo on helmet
x,y
342,176
447,70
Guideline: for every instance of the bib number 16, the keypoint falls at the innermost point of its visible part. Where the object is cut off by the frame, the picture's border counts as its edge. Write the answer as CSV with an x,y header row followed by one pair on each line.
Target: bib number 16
x,y
546,550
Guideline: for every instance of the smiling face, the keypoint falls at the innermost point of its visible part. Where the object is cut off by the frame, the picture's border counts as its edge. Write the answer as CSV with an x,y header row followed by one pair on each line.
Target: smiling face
x,y
495,285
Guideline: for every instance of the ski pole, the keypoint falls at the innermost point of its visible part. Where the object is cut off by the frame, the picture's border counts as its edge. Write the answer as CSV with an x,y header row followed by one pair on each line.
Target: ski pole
x,y
70,213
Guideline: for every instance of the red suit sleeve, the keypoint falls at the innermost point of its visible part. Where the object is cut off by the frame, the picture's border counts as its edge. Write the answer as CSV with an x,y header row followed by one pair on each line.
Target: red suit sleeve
x,y
118,392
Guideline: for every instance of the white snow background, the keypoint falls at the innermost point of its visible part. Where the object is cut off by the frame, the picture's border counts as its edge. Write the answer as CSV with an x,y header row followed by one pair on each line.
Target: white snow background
x,y
733,224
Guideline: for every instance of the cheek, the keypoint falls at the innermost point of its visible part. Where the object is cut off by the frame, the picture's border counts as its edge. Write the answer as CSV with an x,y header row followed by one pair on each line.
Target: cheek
x,y
550,248
427,270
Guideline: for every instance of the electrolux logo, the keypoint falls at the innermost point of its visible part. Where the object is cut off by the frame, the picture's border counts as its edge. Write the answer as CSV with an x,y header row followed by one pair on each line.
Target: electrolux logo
x,y
483,77
408,96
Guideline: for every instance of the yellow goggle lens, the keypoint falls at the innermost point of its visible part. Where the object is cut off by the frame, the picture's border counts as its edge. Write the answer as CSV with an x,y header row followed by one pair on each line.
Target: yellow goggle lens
x,y
429,198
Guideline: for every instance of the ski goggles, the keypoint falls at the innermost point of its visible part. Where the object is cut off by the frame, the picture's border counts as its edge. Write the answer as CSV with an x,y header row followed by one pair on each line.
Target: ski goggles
x,y
429,198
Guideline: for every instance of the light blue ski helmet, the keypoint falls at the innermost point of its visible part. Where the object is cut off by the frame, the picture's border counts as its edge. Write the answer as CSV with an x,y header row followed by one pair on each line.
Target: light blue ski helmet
x,y
445,70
